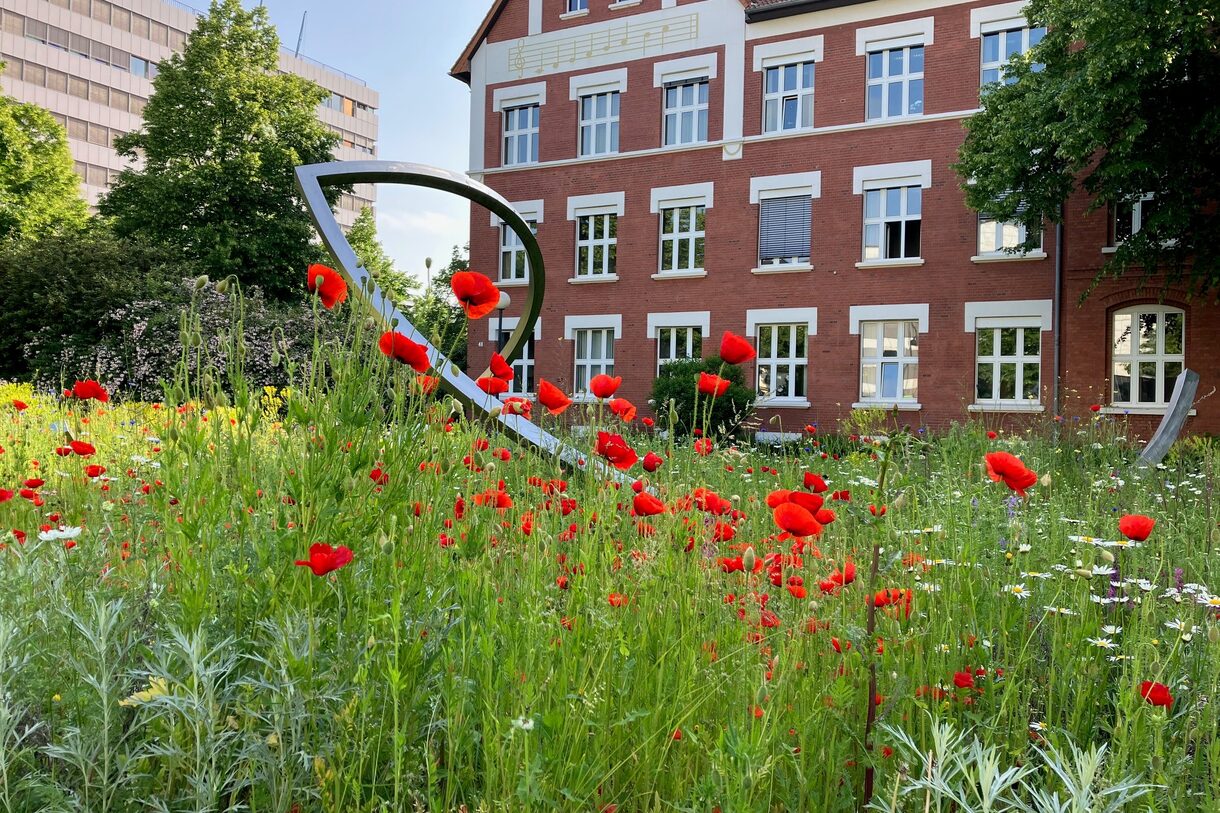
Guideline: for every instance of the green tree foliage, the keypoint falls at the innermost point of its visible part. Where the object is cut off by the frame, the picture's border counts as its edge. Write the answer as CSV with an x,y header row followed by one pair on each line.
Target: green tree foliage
x,y
362,237
436,314
222,133
1127,104
39,191
677,382
55,294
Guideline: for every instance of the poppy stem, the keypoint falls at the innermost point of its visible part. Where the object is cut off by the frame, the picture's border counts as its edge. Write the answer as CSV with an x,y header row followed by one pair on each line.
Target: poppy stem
x,y
870,625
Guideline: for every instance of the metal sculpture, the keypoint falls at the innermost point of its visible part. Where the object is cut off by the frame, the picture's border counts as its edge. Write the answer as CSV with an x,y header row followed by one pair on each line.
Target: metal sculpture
x,y
310,180
1180,403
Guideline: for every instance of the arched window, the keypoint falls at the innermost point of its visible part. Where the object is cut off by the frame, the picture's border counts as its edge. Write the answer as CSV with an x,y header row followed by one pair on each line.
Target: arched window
x,y
1148,353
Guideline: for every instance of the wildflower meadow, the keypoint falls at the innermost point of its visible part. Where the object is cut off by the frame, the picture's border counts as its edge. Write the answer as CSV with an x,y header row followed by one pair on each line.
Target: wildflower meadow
x,y
353,594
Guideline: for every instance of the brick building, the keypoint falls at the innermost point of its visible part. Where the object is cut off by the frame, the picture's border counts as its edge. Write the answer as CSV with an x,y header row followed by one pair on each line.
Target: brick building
x,y
92,62
783,169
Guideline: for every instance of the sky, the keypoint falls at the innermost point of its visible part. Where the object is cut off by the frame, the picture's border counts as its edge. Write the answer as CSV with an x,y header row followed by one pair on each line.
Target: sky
x,y
403,49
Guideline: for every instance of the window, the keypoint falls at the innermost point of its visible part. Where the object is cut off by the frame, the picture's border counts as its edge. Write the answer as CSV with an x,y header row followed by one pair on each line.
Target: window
x,y
686,113
892,223
782,361
1149,352
788,97
1009,365
523,368
895,82
78,130
78,87
57,80
674,343
784,226
578,5
1001,46
599,123
997,238
682,239
889,361
101,11
521,135
514,265
596,245
159,33
1130,217
594,355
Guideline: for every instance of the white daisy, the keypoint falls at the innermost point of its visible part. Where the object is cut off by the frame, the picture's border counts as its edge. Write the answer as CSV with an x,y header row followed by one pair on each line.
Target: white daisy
x,y
1017,590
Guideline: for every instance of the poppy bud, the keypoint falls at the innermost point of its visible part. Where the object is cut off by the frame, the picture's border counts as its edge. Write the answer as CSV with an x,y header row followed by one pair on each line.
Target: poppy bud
x,y
496,411
201,282
899,501
1213,634
173,433
1046,480
1107,556
196,339
275,358
370,323
749,559
1084,574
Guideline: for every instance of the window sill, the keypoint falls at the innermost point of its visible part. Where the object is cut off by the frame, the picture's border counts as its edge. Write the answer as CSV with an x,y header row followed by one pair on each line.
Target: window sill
x,y
1140,410
1006,408
1008,258
913,262
787,132
901,406
572,15
778,437
893,119
512,283
686,144
1109,249
681,274
597,155
593,280
783,268
622,4
518,165
782,403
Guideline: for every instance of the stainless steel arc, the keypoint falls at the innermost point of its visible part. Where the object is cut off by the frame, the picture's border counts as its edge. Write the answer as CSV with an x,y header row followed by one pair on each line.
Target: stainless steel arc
x,y
310,181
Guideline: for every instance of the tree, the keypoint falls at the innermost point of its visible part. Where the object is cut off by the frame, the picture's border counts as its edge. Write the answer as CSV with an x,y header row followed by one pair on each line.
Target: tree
x,y
39,190
222,133
676,383
362,237
1123,101
437,315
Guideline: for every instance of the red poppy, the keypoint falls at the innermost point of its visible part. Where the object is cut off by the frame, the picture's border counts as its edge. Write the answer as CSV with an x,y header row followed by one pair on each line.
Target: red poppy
x,y
796,520
603,386
94,471
425,384
328,284
703,447
963,680
652,461
20,406
1095,408
815,483
500,368
81,448
992,436
623,408
1156,693
712,384
647,505
491,385
323,558
477,294
1136,527
736,350
617,600
379,476
1009,468
400,348
810,502
85,390
552,397
616,450
518,406
6,495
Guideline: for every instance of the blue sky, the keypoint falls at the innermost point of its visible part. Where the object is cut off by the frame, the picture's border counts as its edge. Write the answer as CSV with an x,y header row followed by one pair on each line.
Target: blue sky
x,y
403,49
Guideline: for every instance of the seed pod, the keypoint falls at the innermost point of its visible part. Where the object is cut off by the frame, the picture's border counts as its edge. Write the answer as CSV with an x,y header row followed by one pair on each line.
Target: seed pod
x,y
749,559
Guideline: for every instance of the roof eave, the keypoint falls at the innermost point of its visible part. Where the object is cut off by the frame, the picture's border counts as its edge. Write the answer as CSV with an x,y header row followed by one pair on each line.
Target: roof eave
x,y
793,7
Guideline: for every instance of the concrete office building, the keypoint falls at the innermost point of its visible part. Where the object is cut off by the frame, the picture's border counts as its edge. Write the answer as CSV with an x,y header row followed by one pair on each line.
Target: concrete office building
x,y
92,62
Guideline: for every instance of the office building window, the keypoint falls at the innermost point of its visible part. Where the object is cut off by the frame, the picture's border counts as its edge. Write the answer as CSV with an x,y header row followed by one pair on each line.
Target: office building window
x,y
892,223
788,97
895,82
599,123
782,361
521,135
1008,365
686,113
889,361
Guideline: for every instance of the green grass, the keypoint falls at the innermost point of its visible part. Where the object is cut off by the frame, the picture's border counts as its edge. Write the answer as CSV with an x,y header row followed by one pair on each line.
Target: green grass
x,y
460,675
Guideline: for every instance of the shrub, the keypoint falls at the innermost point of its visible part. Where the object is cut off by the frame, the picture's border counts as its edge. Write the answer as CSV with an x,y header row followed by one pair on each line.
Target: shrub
x,y
675,384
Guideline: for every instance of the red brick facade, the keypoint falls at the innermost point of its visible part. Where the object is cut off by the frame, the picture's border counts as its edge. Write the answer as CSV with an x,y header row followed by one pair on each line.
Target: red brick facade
x,y
840,142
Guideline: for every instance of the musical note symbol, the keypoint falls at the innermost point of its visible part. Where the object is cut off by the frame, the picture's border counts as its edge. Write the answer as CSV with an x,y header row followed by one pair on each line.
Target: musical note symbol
x,y
664,31
626,34
589,53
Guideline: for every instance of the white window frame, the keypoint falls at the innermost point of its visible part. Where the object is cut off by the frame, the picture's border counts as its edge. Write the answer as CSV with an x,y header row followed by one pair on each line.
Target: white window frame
x,y
513,249
903,83
595,124
608,243
697,322
883,217
1164,383
512,136
801,94
880,360
577,6
531,212
1137,218
671,338
516,387
1003,230
759,318
693,238
903,35
879,177
697,111
997,65
790,185
590,365
610,204
794,367
997,360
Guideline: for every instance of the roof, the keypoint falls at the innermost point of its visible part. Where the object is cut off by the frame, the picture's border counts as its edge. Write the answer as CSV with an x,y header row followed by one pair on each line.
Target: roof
x,y
756,10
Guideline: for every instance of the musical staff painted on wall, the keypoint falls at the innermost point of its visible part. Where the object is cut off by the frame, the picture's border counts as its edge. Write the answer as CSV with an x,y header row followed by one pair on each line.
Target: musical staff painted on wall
x,y
625,40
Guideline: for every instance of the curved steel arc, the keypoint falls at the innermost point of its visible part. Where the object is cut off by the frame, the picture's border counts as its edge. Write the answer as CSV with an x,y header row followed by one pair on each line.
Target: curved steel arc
x,y
310,180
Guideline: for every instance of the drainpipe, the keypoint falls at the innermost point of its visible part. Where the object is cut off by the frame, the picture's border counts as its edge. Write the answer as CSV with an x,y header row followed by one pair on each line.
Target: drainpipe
x,y
1057,317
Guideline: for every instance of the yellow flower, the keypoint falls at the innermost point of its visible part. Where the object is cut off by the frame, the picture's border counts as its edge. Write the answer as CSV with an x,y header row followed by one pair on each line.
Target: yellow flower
x,y
156,687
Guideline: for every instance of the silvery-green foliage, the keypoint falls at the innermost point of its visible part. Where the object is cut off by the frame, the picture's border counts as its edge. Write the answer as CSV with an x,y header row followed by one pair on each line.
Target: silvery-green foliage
x,y
961,774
